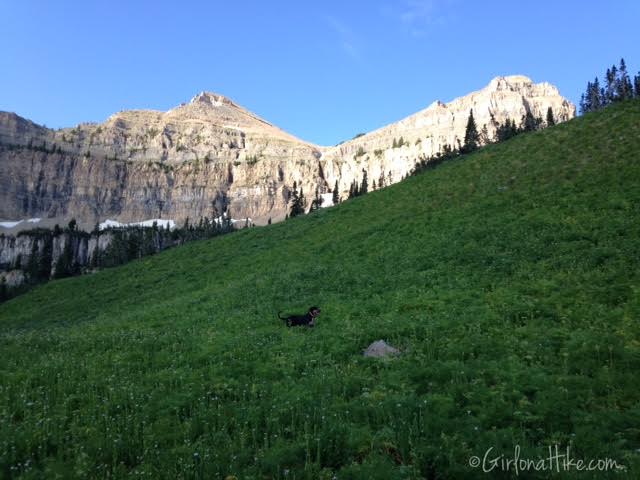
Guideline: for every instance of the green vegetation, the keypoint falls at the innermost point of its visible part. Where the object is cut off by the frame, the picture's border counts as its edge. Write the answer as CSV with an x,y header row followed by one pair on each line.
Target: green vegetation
x,y
618,87
471,136
252,159
298,202
508,277
399,143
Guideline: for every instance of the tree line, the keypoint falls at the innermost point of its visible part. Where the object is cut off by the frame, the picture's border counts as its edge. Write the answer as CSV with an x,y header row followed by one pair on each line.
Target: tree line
x,y
617,87
124,244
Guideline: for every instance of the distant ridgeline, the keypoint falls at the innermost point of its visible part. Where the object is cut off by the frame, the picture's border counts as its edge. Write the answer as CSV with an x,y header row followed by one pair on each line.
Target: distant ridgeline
x,y
38,255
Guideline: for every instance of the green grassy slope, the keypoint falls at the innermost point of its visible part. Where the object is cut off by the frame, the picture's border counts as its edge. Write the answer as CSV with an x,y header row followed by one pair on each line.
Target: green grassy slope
x,y
509,278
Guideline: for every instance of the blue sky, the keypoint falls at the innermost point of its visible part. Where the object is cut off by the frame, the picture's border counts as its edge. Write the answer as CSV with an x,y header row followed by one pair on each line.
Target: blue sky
x,y
323,71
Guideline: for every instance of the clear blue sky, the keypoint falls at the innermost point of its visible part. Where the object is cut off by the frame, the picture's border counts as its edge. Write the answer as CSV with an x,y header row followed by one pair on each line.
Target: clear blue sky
x,y
323,71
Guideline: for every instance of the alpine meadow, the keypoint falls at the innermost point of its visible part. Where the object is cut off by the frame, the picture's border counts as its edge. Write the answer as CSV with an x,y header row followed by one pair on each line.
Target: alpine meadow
x,y
508,278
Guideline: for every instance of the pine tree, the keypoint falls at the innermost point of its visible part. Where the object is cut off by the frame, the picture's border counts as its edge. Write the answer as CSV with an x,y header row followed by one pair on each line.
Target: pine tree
x,y
611,88
485,139
551,121
336,194
269,221
596,100
4,291
64,264
34,259
44,263
504,131
636,85
303,201
471,135
624,86
316,203
364,186
529,122
297,202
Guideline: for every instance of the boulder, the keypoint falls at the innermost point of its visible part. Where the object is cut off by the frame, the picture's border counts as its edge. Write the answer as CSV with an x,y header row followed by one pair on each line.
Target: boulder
x,y
380,348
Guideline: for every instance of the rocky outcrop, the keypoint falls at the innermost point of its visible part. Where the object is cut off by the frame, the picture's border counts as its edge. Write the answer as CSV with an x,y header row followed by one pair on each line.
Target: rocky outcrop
x,y
209,155
16,252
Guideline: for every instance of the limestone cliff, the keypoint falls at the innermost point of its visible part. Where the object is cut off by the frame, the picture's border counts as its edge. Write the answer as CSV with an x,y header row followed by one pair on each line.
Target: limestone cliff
x,y
211,154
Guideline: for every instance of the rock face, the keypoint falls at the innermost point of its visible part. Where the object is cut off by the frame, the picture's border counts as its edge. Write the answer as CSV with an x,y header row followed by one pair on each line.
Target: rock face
x,y
15,252
210,154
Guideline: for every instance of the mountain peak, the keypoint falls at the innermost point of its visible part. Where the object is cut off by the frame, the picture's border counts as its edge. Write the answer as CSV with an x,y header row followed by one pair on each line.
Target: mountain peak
x,y
211,99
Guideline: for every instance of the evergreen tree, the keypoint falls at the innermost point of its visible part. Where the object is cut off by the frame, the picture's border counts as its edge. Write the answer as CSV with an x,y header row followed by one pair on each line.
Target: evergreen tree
x,y
297,202
4,291
551,121
612,85
303,201
269,221
64,264
485,139
636,85
374,184
529,122
364,186
471,135
596,100
33,263
44,262
505,131
336,194
624,86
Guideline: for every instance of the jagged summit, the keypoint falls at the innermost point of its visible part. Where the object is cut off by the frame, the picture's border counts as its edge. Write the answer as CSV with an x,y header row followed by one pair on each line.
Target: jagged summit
x,y
212,99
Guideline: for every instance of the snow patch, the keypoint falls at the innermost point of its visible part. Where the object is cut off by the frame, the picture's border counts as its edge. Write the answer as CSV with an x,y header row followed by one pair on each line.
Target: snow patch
x,y
327,200
11,224
222,218
145,223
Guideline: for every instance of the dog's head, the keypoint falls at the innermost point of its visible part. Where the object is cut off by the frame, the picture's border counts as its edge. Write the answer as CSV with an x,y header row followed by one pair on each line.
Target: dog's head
x,y
314,312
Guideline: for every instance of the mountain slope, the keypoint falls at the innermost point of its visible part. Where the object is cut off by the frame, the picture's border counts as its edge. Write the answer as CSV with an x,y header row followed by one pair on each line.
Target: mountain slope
x,y
210,154
509,278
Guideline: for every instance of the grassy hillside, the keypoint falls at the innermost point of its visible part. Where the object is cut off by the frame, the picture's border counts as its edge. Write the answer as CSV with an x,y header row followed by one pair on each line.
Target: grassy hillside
x,y
509,278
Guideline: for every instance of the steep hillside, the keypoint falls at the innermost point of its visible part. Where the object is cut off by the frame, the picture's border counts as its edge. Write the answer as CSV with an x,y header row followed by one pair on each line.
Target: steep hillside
x,y
509,279
211,154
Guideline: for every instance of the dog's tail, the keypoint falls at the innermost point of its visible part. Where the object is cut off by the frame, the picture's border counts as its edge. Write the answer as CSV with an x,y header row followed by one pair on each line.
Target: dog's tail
x,y
281,318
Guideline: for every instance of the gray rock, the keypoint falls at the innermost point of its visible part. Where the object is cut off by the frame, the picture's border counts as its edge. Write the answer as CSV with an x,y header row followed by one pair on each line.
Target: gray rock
x,y
380,348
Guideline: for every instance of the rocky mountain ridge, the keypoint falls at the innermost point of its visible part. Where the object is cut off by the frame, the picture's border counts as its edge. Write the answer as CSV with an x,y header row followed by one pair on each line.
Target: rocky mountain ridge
x,y
211,155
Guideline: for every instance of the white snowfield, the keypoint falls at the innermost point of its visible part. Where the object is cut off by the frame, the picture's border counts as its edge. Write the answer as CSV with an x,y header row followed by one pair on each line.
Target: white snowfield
x,y
327,200
162,223
11,224
221,218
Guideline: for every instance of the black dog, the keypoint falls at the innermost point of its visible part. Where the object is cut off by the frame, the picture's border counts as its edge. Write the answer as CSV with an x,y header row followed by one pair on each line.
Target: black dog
x,y
308,320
